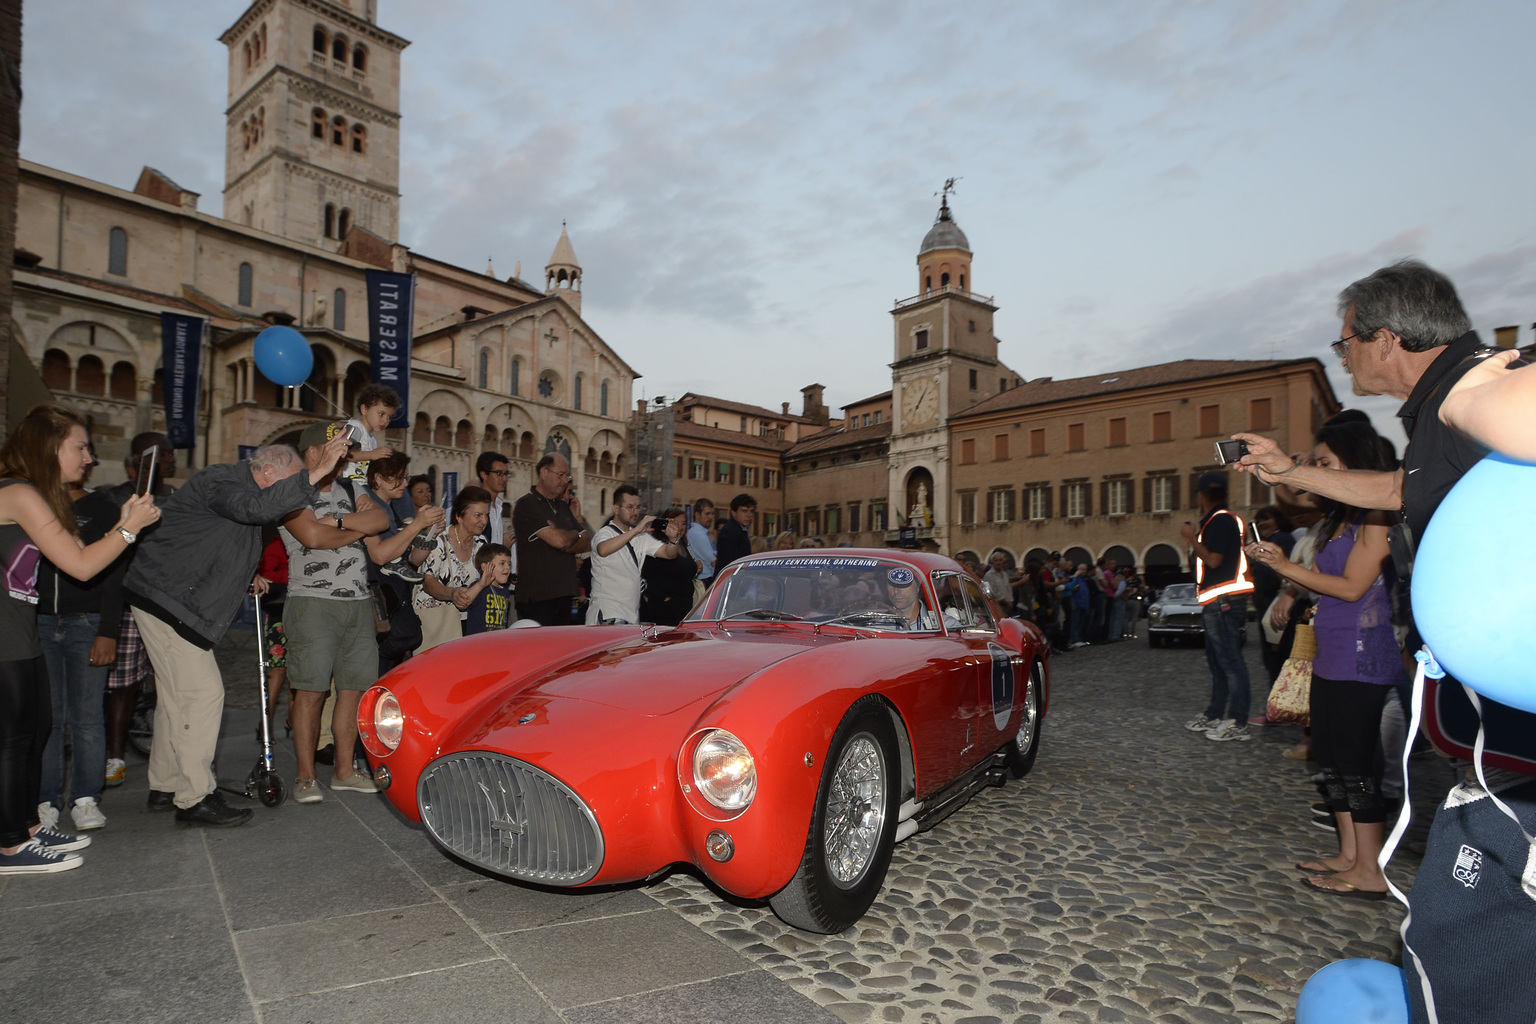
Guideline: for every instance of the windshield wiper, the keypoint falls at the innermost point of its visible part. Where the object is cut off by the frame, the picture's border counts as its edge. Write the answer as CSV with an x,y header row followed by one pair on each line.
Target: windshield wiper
x,y
762,613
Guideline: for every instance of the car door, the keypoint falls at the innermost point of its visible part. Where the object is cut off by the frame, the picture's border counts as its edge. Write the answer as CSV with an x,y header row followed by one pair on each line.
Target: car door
x,y
944,706
997,671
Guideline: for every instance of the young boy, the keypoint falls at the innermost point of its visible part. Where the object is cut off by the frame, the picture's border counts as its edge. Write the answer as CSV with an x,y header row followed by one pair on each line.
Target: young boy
x,y
376,406
492,608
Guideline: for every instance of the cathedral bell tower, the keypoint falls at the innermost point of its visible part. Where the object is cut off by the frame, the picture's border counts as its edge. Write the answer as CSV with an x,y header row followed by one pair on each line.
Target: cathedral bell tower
x,y
945,362
312,144
562,275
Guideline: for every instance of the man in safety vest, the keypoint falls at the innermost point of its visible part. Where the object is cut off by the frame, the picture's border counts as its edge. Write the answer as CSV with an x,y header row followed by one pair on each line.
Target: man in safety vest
x,y
1221,577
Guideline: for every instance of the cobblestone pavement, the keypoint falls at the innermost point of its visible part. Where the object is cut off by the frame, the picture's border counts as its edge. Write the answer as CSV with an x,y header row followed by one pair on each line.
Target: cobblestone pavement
x,y
1140,873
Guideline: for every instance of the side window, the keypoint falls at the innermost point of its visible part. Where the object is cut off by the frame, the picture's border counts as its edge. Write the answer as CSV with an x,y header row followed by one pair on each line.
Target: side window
x,y
980,616
951,601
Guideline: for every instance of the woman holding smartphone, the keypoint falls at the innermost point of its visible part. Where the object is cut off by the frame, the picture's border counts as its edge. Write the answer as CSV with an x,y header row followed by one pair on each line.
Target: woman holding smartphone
x,y
1357,662
48,450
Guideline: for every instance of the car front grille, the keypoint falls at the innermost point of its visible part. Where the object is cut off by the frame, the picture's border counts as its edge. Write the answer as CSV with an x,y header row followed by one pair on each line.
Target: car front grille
x,y
1184,621
510,817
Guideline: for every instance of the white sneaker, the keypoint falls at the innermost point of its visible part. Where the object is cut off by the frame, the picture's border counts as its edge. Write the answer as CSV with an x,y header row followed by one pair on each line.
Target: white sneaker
x,y
1200,723
47,815
1227,731
87,815
117,771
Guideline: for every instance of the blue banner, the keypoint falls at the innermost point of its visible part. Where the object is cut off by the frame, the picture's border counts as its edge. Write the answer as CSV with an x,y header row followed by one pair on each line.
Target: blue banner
x,y
391,297
450,489
181,340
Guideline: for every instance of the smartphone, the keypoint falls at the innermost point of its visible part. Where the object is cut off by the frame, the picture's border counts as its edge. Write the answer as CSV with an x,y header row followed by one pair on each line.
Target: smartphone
x,y
1230,451
355,434
1253,534
147,463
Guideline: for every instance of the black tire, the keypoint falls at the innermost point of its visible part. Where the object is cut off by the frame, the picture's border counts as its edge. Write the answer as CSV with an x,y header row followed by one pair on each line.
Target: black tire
x,y
1025,747
1153,640
862,775
270,789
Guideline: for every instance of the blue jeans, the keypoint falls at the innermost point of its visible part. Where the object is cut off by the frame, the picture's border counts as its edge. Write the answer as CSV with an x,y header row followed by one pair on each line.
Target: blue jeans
x,y
77,689
1229,672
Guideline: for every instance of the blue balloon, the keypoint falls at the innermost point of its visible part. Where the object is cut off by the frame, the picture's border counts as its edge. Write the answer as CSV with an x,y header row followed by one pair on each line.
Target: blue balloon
x,y
1354,992
1477,536
283,356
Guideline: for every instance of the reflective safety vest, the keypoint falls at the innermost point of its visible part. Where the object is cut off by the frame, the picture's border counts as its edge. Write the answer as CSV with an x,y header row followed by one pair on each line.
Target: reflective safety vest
x,y
1238,584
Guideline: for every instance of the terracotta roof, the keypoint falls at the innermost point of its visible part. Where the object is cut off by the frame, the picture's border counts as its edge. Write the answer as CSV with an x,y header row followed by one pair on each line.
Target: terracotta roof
x,y
97,284
1044,391
882,396
837,437
692,398
737,438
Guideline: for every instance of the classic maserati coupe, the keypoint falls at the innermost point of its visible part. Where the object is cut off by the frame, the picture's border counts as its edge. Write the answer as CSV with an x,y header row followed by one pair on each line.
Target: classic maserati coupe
x,y
814,709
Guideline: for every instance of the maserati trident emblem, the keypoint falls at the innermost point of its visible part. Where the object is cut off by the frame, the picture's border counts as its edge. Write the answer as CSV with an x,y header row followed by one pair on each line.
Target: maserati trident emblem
x,y
503,818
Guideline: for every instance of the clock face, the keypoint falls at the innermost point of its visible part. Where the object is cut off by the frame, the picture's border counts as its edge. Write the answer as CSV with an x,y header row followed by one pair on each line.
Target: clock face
x,y
920,402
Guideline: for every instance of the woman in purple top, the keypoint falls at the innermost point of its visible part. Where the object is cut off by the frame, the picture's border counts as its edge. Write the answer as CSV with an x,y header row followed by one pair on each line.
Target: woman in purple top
x,y
1357,662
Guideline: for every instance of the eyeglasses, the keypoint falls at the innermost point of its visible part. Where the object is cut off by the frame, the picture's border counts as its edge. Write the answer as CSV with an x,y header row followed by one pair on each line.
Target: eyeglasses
x,y
496,472
1341,347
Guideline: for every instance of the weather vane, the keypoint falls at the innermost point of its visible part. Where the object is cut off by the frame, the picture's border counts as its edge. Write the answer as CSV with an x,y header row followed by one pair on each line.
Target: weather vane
x,y
949,188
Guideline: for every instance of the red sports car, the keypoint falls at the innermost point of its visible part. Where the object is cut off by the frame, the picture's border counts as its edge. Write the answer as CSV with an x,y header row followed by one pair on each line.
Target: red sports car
x,y
816,708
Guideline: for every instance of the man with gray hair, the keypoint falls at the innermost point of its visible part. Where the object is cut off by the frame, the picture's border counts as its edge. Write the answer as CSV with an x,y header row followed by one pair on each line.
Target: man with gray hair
x,y
186,583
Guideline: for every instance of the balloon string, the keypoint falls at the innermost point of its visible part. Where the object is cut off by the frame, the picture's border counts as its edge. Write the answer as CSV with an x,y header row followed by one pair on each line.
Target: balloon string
x,y
1477,763
1427,667
324,398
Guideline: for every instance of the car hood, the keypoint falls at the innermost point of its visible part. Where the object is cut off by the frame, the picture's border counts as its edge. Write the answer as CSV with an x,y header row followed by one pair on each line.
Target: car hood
x,y
661,674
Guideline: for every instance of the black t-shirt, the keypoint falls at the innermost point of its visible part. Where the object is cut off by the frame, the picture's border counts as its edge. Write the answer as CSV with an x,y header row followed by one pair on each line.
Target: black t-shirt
x,y
1436,456
543,572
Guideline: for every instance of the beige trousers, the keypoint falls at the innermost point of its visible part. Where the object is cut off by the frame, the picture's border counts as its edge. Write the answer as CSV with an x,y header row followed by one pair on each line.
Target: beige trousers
x,y
189,709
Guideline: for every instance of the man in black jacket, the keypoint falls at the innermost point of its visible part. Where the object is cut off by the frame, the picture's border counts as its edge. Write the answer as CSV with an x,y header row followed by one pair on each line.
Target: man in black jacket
x,y
186,584
734,539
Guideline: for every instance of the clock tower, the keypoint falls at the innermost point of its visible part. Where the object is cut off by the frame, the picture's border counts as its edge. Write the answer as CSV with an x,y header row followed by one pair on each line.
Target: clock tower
x,y
946,362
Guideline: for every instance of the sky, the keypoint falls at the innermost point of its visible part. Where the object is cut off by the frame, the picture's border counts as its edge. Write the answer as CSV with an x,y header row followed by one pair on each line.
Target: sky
x,y
746,184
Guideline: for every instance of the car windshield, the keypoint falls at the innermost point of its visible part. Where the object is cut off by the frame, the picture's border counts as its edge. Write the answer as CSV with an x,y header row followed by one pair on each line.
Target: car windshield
x,y
843,590
1179,592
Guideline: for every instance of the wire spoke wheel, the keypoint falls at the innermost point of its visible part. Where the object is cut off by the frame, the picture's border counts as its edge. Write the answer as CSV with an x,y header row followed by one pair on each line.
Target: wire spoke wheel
x,y
855,810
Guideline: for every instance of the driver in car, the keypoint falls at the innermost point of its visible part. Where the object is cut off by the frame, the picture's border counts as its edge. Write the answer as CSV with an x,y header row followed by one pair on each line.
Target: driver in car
x,y
907,597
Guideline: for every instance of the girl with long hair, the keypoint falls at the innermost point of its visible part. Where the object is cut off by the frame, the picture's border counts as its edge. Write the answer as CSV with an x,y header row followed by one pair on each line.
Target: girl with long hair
x,y
48,450
1357,661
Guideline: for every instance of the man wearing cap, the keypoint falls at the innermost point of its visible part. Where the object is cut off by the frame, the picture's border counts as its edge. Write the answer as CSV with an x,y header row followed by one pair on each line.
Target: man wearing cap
x,y
1221,579
186,583
328,621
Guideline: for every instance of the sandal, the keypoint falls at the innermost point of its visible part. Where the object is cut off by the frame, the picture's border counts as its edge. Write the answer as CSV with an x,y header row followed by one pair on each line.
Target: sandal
x,y
1316,867
1350,891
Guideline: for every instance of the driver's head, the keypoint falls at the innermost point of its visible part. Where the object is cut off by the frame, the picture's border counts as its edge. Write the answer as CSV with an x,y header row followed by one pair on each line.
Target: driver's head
x,y
901,585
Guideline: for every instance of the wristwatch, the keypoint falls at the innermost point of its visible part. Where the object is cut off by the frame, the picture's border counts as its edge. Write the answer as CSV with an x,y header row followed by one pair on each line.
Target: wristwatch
x,y
128,535
337,517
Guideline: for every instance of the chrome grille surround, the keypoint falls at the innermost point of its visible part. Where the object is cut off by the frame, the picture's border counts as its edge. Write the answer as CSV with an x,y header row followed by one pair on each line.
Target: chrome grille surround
x,y
510,818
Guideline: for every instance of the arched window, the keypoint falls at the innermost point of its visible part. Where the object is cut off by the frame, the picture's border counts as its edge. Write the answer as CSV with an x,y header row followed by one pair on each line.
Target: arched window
x,y
246,276
464,436
962,282
359,139
317,123
603,399
246,132
422,431
576,393
943,280
339,49
56,370
360,57
247,55
338,131
339,310
320,39
330,220
513,384
343,222
90,376
442,432
124,382
928,283
483,374
117,252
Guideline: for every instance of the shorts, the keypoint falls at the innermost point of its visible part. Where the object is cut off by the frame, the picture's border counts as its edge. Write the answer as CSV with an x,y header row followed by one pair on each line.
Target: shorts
x,y
330,640
132,663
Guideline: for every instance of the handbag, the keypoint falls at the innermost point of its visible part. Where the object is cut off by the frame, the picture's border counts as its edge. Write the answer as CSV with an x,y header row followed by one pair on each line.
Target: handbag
x,y
1290,699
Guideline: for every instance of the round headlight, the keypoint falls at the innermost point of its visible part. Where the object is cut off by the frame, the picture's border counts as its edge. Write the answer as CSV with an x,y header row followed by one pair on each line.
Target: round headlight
x,y
723,770
388,720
